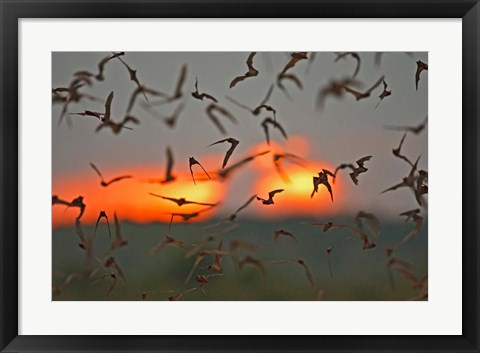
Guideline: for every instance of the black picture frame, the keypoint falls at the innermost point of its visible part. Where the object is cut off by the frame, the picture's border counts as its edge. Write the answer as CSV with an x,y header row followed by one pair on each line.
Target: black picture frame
x,y
12,11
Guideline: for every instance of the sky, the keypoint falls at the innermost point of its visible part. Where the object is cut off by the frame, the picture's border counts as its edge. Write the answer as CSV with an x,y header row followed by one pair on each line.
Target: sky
x,y
342,132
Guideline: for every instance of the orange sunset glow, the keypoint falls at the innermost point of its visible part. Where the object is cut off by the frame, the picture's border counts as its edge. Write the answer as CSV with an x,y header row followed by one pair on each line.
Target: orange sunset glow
x,y
130,198
296,200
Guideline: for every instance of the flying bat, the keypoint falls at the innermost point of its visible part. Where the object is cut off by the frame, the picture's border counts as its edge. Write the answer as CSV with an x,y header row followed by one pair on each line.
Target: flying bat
x,y
252,72
103,182
233,144
271,194
191,162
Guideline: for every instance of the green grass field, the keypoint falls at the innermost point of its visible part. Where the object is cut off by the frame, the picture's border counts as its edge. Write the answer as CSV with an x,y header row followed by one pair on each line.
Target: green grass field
x,y
357,274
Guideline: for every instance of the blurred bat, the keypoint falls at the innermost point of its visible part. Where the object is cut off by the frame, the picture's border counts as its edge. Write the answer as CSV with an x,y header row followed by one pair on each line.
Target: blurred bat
x,y
353,55
103,182
216,108
302,263
362,95
182,201
101,215
118,241
280,232
275,124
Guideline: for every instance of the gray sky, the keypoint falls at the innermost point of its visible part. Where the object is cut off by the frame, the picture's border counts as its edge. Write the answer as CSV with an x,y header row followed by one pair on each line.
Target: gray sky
x,y
343,132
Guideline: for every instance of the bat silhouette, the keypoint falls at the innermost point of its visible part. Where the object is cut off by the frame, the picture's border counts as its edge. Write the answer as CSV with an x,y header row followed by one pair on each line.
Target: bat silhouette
x,y
353,55
280,232
177,93
362,95
112,286
397,151
421,66
407,181
234,215
233,144
327,226
254,262
110,262
101,67
169,240
200,96
101,215
182,201
335,88
322,179
371,219
224,173
216,108
103,182
252,72
191,162
258,109
275,124
421,188
356,171
278,159
133,76
144,91
216,266
118,242
385,93
271,194
417,219
413,129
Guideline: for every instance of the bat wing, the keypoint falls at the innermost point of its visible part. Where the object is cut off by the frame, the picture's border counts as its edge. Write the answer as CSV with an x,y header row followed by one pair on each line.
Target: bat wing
x,y
292,78
417,76
208,96
237,80
96,169
214,119
250,61
395,187
217,142
265,129
376,84
119,178
280,127
267,97
181,81
308,274
327,172
229,153
357,69
246,203
272,193
108,105
342,166
329,188
169,163
363,160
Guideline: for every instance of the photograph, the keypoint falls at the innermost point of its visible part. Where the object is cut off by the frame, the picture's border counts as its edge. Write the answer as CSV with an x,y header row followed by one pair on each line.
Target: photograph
x,y
239,176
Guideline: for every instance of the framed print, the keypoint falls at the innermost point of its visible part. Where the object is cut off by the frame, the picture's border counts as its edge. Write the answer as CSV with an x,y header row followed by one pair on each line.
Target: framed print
x,y
237,176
